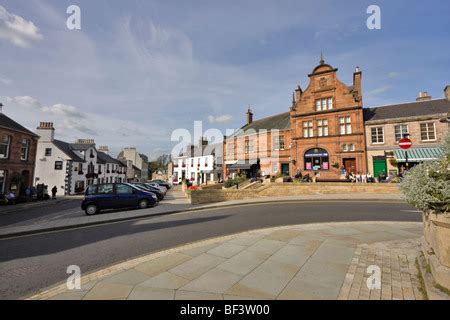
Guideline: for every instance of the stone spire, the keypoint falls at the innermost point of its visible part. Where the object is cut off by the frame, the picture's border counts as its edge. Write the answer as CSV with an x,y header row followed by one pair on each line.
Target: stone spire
x,y
321,58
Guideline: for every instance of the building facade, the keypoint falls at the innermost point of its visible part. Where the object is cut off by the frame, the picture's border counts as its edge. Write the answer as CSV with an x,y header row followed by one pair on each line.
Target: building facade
x,y
424,122
71,167
261,147
200,164
139,160
17,156
327,125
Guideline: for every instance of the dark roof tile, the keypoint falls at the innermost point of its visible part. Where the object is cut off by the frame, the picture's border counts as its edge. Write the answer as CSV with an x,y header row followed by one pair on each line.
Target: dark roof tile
x,y
8,123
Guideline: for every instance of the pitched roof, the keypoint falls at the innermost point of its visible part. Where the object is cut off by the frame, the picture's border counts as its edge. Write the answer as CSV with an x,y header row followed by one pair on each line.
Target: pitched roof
x,y
104,158
8,123
280,121
81,146
411,109
68,150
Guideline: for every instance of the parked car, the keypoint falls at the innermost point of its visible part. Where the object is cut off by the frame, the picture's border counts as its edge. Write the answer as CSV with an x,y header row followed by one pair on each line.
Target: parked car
x,y
161,183
154,184
149,188
115,196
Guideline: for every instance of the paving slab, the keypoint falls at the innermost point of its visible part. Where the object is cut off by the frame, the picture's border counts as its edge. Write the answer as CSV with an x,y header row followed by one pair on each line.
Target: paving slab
x,y
317,261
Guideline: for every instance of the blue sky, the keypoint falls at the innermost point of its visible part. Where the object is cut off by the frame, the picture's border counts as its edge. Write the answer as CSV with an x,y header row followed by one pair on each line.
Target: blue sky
x,y
139,69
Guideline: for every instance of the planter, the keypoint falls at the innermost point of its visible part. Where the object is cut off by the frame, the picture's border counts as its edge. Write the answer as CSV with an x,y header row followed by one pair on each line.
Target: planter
x,y
437,245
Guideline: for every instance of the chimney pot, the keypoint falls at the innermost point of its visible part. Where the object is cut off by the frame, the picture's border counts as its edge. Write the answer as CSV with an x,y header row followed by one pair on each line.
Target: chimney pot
x,y
423,96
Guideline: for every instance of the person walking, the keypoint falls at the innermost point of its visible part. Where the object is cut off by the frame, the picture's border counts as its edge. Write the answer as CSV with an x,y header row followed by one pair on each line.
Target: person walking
x,y
54,191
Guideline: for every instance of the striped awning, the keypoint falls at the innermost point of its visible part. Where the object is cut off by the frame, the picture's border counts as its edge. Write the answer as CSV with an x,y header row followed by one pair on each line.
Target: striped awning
x,y
419,154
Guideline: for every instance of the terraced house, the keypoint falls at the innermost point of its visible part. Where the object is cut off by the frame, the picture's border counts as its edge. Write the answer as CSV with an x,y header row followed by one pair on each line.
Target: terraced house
x,y
71,167
424,121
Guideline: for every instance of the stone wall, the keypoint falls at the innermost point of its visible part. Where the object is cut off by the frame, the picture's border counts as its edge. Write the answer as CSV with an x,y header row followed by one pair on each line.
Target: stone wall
x,y
284,189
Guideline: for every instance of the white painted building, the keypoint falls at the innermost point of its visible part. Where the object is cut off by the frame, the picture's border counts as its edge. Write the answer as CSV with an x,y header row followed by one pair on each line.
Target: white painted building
x,y
200,164
72,166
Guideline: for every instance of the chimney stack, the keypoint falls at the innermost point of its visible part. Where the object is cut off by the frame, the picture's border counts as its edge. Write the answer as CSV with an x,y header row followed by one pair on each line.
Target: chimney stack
x,y
447,92
85,141
249,116
46,131
423,96
104,149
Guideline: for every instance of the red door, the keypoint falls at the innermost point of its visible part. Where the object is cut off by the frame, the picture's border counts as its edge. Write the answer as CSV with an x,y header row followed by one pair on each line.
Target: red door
x,y
350,165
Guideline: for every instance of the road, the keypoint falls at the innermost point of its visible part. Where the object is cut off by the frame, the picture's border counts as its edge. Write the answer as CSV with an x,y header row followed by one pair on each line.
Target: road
x,y
30,263
40,212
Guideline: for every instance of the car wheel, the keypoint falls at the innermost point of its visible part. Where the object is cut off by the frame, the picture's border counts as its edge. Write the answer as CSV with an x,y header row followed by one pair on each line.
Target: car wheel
x,y
91,209
143,204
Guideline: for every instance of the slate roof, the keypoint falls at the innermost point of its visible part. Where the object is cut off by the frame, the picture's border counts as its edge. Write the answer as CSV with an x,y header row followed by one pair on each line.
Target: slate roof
x,y
412,109
81,146
280,121
8,123
106,158
68,150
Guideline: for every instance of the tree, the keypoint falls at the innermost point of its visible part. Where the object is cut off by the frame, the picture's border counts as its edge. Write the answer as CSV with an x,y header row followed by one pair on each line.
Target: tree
x,y
427,185
160,164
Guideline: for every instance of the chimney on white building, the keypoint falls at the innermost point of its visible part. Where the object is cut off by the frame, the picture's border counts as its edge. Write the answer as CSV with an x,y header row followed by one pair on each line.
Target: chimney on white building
x,y
104,149
85,141
46,131
423,96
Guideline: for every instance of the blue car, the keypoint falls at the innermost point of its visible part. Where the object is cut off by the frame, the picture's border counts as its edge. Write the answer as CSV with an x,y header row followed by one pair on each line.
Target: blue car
x,y
116,196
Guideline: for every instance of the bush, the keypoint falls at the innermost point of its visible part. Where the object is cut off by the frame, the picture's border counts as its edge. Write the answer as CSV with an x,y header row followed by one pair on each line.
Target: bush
x,y
236,181
427,185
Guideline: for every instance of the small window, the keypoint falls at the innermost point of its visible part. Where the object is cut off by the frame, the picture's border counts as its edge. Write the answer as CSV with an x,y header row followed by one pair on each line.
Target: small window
x,y
322,128
124,189
351,147
400,132
105,189
345,125
344,147
58,165
324,104
428,131
377,135
24,149
308,129
5,145
48,152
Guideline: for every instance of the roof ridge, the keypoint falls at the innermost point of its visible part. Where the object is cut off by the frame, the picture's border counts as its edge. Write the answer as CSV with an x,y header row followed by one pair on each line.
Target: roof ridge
x,y
402,103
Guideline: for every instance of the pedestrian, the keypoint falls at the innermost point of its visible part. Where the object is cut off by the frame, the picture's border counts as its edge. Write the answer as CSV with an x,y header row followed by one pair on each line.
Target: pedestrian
x,y
54,191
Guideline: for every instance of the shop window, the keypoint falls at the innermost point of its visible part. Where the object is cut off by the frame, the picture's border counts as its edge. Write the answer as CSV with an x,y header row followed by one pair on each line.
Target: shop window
x,y
317,159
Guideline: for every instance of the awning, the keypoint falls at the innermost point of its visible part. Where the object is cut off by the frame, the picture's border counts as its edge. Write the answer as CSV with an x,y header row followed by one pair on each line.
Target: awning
x,y
242,166
419,154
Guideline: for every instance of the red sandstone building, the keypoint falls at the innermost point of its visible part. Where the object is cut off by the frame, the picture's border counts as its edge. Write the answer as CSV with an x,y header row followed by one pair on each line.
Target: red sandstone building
x,y
322,133
327,125
17,156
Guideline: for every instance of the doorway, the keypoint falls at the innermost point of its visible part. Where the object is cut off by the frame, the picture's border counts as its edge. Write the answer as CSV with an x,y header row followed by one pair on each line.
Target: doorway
x,y
350,165
285,169
379,165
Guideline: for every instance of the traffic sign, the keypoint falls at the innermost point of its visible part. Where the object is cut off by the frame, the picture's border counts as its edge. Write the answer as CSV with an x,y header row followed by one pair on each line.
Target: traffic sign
x,y
405,143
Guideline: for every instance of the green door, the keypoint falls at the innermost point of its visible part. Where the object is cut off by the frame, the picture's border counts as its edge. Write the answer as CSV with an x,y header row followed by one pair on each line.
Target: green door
x,y
285,169
379,164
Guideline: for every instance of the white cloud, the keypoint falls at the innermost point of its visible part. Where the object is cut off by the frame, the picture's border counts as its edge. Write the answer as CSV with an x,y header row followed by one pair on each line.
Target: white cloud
x,y
64,111
220,119
24,102
17,30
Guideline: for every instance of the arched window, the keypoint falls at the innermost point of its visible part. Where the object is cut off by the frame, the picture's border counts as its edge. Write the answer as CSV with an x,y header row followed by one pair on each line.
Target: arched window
x,y
317,159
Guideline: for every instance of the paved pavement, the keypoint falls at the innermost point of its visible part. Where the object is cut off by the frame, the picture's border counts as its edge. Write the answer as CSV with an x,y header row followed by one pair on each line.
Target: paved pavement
x,y
70,214
312,261
30,263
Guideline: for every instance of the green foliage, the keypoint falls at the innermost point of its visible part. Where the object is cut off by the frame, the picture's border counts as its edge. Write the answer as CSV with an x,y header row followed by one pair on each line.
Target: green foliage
x,y
427,185
236,181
